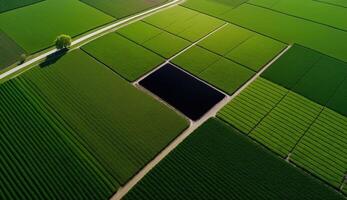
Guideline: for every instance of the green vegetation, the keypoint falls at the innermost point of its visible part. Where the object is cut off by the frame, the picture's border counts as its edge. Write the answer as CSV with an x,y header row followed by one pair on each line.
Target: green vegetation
x,y
311,10
37,159
217,162
292,66
242,46
10,52
185,23
338,101
63,41
341,3
218,71
6,5
121,8
323,149
252,105
282,128
155,39
120,126
213,7
125,57
35,27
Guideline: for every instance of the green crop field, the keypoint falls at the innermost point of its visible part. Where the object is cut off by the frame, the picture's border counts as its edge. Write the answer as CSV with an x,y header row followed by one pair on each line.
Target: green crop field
x,y
215,7
37,160
208,165
341,3
185,23
154,39
36,27
105,112
128,59
6,5
323,149
282,128
338,101
252,105
121,8
242,46
311,10
218,71
9,51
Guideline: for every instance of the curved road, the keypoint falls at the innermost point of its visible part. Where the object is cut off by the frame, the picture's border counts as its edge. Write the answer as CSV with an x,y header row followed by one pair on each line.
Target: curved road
x,y
86,37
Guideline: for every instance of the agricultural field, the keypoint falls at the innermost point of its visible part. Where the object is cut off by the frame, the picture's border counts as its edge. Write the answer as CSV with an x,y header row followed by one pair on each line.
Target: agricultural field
x,y
123,56
6,5
10,52
195,99
208,165
119,8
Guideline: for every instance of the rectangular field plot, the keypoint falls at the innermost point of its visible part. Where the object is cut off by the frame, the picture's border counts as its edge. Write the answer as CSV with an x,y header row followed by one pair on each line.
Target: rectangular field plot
x,y
326,14
184,92
252,105
214,8
217,162
35,27
243,46
323,149
185,23
123,56
6,5
218,71
121,8
341,3
282,128
290,29
120,126
37,160
292,66
9,51
155,39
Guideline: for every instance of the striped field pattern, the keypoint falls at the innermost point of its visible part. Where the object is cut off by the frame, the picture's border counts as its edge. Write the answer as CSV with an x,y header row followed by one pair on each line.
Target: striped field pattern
x,y
252,105
323,149
282,128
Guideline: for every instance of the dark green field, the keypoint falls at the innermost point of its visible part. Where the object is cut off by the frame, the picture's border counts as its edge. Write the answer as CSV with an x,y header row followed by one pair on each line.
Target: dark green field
x,y
9,51
6,5
217,162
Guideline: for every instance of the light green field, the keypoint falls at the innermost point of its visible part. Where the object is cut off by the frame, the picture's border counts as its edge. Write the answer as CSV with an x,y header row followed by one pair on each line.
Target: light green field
x,y
318,12
120,126
323,149
291,29
252,105
123,56
243,46
341,3
154,39
217,162
213,7
282,128
185,23
121,8
9,51
36,27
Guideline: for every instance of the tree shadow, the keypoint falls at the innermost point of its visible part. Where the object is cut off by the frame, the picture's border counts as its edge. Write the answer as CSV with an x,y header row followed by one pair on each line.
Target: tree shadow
x,y
53,58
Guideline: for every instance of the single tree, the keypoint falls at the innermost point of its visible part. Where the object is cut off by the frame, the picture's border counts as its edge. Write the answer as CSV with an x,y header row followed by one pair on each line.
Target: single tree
x,y
63,42
23,57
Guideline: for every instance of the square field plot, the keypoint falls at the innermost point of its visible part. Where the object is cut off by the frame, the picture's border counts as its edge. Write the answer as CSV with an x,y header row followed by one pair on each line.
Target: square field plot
x,y
123,56
216,70
243,46
185,23
184,92
159,41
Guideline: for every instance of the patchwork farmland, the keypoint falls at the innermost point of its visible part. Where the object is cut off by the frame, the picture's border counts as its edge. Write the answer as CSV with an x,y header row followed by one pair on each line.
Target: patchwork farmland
x,y
173,99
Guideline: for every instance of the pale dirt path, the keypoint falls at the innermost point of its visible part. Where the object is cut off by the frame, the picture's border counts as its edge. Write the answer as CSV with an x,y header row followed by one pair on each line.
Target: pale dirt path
x,y
193,125
87,37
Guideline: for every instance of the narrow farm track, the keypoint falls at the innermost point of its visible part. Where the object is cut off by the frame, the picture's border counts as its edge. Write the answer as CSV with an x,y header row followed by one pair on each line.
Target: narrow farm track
x,y
86,38
193,126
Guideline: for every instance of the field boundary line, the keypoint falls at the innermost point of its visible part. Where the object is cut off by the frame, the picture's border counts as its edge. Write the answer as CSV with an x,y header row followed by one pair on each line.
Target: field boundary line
x,y
123,190
86,38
